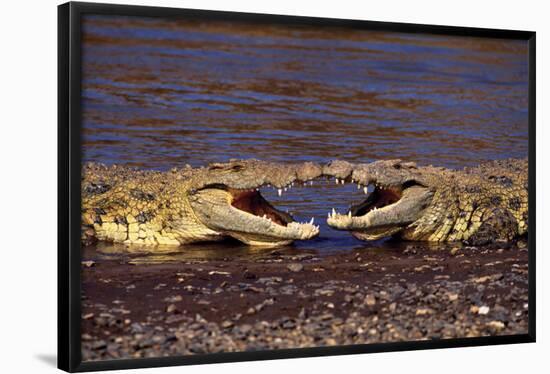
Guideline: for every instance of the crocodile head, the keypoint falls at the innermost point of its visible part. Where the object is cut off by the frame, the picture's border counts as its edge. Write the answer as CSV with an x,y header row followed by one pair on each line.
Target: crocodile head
x,y
397,195
226,198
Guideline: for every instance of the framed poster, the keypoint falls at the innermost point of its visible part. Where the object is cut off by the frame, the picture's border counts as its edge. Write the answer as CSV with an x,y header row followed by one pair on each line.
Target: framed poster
x,y
246,186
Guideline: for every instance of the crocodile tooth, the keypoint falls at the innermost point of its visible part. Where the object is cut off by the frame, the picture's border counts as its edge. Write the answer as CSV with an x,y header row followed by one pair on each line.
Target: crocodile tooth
x,y
311,222
328,214
349,214
279,192
358,186
365,190
285,189
333,212
311,183
337,181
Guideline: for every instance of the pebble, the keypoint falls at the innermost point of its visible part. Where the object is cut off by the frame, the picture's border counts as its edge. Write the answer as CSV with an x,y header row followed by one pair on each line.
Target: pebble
x,y
227,324
305,309
483,310
423,311
452,296
370,300
295,267
496,325
217,272
173,299
248,275
171,308
99,344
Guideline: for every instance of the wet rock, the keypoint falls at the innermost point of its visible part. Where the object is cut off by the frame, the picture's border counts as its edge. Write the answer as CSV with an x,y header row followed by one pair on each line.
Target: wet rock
x,y
423,311
270,280
218,272
500,313
251,311
136,328
174,318
452,296
486,278
370,300
326,316
483,310
101,321
295,267
288,323
172,308
249,275
173,299
245,329
422,268
496,325
324,292
99,344
227,324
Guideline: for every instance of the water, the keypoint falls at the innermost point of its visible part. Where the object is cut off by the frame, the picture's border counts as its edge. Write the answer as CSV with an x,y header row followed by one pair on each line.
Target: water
x,y
160,93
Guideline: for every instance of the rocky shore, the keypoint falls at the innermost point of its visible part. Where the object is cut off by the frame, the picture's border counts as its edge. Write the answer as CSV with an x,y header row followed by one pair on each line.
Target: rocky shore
x,y
147,306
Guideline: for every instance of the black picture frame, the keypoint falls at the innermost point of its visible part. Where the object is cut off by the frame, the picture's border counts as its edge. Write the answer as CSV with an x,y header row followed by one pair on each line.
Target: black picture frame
x,y
69,167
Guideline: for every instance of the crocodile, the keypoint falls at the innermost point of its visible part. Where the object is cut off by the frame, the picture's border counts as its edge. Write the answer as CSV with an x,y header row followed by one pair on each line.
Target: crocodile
x,y
476,205
170,208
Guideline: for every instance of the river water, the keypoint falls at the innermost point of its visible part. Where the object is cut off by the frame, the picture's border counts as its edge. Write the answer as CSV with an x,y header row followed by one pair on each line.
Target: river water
x,y
160,93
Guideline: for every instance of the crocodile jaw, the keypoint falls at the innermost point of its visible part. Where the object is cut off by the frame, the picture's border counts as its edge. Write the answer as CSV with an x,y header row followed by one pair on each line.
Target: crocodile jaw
x,y
261,225
387,220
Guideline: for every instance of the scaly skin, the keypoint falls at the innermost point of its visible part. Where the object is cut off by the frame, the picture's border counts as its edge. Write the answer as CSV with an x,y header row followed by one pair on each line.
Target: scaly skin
x,y
477,205
131,206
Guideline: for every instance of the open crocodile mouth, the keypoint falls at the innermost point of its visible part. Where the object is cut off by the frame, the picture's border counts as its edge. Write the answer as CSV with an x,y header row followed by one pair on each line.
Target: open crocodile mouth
x,y
243,213
252,201
380,197
385,211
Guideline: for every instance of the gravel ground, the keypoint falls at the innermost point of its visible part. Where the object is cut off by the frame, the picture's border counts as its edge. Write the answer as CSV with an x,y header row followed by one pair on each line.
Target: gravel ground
x,y
134,307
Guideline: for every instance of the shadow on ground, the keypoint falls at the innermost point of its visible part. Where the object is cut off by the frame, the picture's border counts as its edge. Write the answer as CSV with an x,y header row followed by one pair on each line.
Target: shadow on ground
x,y
49,359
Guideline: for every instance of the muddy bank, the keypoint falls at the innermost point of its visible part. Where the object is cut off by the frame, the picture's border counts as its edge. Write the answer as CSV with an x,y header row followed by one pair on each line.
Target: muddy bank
x,y
147,306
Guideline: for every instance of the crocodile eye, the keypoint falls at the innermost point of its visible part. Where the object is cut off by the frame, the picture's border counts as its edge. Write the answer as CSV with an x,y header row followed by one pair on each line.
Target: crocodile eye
x,y
237,168
215,167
